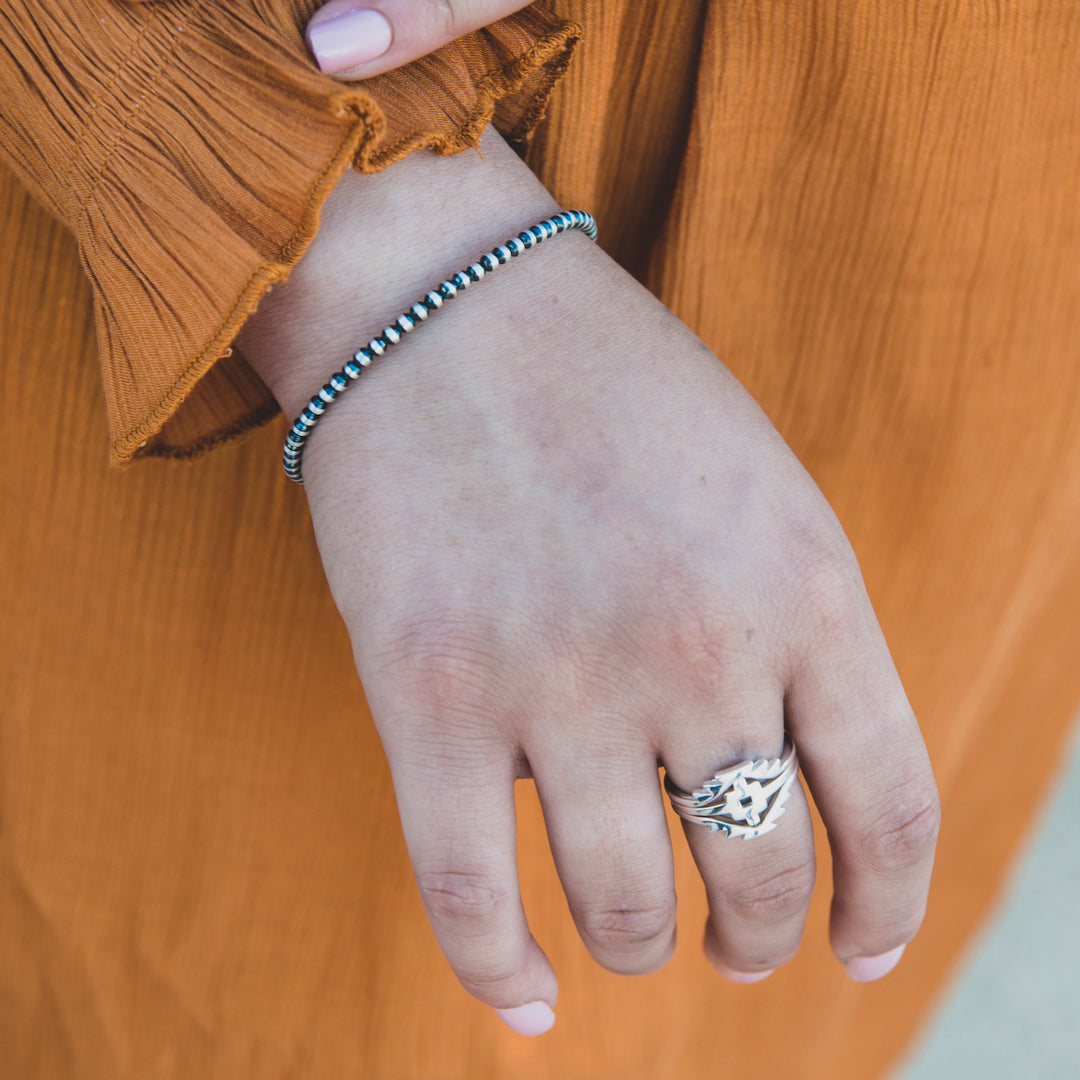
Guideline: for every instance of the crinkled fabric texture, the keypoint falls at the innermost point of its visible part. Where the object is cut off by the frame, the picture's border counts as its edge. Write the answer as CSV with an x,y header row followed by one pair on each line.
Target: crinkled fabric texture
x,y
188,145
870,213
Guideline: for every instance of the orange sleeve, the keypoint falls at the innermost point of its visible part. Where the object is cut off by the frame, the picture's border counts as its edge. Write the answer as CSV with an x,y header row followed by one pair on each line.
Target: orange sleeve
x,y
189,145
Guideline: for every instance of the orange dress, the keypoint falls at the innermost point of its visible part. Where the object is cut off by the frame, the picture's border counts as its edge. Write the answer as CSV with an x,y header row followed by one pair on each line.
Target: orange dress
x,y
869,211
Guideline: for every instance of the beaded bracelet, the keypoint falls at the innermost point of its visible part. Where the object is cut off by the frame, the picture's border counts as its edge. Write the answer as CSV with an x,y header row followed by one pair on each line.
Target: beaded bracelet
x,y
417,313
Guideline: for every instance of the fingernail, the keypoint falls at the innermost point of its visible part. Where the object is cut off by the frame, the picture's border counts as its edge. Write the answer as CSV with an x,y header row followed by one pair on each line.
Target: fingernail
x,y
869,968
532,1019
744,977
354,37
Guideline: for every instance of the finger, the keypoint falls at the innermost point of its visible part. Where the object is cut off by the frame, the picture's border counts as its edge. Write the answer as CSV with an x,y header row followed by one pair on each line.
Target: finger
x,y
758,889
612,849
356,39
457,813
759,892
865,761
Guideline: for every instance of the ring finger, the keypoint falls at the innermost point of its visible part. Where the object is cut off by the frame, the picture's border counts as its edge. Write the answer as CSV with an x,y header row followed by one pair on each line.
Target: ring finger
x,y
758,889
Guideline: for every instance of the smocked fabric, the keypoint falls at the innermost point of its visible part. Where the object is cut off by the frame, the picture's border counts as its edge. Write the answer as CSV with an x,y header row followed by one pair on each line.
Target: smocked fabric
x,y
868,211
188,145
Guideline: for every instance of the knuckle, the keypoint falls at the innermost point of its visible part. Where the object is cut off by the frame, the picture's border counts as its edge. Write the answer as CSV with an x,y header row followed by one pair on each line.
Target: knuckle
x,y
696,630
585,678
628,928
467,903
448,18
443,663
707,645
907,831
465,910
832,593
489,985
774,894
823,576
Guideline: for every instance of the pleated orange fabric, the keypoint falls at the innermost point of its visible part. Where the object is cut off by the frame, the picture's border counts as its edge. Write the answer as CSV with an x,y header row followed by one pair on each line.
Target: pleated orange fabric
x,y
869,211
188,146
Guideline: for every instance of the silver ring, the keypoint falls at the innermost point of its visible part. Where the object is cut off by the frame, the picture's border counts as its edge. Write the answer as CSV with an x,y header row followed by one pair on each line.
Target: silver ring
x,y
746,799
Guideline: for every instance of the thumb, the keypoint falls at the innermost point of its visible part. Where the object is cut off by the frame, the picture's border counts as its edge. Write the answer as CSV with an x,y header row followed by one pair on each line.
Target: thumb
x,y
355,39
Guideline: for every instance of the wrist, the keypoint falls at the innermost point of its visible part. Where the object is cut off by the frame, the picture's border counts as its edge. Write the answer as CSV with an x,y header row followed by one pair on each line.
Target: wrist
x,y
384,240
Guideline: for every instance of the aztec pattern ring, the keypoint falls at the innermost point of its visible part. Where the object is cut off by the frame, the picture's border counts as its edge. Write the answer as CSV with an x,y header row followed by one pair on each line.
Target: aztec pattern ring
x,y
744,800
430,302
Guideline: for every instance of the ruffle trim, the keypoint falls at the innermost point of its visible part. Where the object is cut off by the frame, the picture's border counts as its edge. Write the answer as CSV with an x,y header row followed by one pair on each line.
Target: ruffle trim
x,y
214,186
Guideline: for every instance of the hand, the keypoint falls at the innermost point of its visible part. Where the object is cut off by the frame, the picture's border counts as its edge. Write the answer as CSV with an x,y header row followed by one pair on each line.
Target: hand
x,y
356,39
568,545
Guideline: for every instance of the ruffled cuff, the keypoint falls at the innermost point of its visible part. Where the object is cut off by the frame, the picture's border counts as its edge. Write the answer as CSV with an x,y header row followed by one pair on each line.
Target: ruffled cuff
x,y
189,145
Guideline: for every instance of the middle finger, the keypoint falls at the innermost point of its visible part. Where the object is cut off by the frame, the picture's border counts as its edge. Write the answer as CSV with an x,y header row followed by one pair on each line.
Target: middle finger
x,y
605,819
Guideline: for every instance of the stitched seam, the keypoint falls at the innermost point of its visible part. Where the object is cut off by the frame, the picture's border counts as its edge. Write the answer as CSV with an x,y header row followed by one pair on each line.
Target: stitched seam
x,y
121,67
241,426
374,123
532,116
99,172
489,88
368,126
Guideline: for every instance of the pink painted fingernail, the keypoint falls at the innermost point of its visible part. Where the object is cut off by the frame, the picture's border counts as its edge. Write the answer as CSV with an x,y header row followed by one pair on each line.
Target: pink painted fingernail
x,y
869,968
743,977
532,1019
353,37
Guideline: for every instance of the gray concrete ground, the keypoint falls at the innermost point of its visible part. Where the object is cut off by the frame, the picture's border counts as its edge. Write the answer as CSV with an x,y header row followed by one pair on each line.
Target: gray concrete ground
x,y
1013,1011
